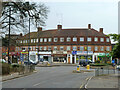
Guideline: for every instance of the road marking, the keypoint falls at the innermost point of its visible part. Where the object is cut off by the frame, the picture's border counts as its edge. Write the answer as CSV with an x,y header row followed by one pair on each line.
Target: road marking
x,y
81,86
88,81
87,78
36,84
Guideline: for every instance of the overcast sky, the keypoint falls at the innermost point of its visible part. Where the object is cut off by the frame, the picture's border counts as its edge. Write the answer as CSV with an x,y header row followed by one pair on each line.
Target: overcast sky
x,y
78,14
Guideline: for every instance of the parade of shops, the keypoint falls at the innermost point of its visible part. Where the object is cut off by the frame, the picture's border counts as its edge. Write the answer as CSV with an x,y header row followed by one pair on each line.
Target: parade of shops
x,y
66,45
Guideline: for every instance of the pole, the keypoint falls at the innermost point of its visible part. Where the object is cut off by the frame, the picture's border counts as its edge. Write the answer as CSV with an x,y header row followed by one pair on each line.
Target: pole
x,y
29,41
9,36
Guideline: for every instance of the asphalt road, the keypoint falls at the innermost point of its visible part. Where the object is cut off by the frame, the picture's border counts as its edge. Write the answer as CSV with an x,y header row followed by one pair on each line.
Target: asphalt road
x,y
50,77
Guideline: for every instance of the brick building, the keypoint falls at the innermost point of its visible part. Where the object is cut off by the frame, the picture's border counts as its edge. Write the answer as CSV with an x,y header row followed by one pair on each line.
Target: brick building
x,y
72,44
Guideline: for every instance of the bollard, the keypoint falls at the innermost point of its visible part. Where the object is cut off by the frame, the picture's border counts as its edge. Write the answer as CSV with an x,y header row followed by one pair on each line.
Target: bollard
x,y
88,67
78,67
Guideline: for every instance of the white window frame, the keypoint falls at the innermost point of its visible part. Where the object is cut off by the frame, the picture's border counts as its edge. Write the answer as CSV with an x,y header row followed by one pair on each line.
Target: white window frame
x,y
41,39
101,39
45,48
31,40
81,48
68,48
61,39
49,39
61,48
45,39
107,40
49,48
96,39
89,39
37,40
74,48
81,39
96,48
108,48
89,48
55,47
68,39
55,39
74,39
102,48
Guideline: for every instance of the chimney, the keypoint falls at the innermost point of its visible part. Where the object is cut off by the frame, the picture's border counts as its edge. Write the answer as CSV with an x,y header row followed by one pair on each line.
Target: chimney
x,y
39,29
89,26
59,27
20,34
101,30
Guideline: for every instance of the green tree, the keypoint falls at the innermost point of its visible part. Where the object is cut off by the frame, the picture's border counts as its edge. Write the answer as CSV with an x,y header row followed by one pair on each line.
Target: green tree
x,y
21,11
116,50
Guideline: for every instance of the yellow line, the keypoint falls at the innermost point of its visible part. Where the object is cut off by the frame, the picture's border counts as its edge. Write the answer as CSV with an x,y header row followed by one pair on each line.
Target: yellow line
x,y
87,78
81,86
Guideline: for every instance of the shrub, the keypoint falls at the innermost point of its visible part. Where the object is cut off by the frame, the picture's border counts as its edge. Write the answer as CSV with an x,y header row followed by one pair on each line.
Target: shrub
x,y
98,64
5,68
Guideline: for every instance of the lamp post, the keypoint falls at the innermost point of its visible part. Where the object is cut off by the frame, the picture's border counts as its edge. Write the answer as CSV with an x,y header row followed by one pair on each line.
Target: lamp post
x,y
29,41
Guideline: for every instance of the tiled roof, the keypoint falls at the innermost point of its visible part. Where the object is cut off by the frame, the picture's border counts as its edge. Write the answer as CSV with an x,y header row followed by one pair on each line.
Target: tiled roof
x,y
66,32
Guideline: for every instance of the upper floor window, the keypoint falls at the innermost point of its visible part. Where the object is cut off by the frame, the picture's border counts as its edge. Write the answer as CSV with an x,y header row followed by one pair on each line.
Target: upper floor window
x,y
89,48
74,39
45,48
68,48
89,39
45,39
49,47
49,39
34,40
102,48
61,48
68,39
41,48
95,39
41,39
61,39
55,39
55,47
102,39
107,40
21,41
108,48
81,48
31,40
81,39
74,48
37,40
96,48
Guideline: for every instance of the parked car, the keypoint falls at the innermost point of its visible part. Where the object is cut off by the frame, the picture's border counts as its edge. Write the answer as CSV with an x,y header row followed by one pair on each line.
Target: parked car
x,y
3,60
118,66
83,62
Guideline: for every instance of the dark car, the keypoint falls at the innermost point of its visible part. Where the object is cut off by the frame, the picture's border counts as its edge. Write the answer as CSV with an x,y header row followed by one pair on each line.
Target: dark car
x,y
84,62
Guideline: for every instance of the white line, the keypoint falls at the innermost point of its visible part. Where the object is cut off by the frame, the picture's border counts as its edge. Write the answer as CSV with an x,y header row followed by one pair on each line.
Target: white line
x,y
87,82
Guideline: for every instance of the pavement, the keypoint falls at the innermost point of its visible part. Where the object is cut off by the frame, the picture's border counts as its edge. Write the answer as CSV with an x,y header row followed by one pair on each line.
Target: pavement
x,y
15,75
104,81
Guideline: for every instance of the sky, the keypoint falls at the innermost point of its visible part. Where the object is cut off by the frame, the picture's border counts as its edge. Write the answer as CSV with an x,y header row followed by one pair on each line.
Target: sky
x,y
80,13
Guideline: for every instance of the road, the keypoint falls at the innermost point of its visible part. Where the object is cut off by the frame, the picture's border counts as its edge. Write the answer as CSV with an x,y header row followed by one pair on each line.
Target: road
x,y
50,77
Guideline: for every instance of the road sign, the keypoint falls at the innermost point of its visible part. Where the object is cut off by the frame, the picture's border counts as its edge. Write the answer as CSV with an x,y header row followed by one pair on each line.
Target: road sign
x,y
113,61
21,57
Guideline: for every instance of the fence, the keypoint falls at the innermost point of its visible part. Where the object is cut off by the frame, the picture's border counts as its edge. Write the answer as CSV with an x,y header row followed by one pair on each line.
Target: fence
x,y
104,71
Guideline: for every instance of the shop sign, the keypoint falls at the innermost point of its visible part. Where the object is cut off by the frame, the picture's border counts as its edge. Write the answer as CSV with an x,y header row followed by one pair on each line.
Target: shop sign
x,y
59,52
44,52
74,52
24,52
103,54
82,52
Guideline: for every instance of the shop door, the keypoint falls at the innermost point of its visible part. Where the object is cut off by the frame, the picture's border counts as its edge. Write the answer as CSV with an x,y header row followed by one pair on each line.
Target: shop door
x,y
69,60
73,60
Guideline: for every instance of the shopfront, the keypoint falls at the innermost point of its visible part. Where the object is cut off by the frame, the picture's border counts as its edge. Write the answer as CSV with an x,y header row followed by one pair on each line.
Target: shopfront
x,y
59,56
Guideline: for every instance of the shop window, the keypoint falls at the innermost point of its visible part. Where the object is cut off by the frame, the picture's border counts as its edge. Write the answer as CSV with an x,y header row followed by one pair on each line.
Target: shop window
x,y
81,39
31,40
37,40
68,39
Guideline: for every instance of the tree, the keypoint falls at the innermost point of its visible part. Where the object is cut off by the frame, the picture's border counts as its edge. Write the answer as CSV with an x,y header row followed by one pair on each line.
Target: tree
x,y
116,50
20,13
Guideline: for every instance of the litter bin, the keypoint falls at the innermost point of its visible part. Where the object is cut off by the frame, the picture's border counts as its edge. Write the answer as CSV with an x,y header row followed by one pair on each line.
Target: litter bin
x,y
78,67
